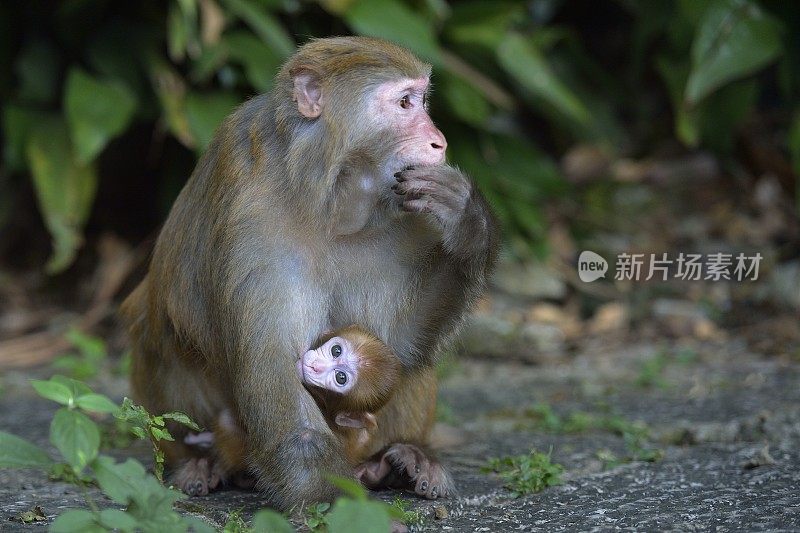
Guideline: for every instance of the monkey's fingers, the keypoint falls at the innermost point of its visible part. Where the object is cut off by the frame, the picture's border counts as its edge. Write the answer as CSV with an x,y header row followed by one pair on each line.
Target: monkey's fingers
x,y
426,205
416,188
373,473
447,177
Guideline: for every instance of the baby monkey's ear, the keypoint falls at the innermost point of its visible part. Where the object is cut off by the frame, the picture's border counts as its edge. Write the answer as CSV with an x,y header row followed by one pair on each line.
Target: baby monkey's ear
x,y
357,420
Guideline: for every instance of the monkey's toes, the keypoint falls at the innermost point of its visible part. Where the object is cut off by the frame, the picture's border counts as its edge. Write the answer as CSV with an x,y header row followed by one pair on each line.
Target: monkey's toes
x,y
196,477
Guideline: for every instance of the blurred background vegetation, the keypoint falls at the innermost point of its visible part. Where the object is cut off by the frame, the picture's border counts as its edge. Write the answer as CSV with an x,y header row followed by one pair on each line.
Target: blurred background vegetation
x,y
106,105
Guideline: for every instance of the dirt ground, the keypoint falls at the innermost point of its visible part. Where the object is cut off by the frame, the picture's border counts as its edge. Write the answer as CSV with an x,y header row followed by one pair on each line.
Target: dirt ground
x,y
721,449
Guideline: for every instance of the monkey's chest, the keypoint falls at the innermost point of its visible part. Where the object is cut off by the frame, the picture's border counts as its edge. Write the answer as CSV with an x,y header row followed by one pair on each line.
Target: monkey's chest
x,y
373,287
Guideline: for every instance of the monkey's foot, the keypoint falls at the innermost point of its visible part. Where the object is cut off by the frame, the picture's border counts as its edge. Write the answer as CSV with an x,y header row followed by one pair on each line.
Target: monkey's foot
x,y
197,476
406,466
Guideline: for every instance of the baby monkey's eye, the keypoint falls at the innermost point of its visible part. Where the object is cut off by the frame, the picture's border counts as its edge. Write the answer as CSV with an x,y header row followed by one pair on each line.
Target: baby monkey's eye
x,y
336,350
341,377
405,102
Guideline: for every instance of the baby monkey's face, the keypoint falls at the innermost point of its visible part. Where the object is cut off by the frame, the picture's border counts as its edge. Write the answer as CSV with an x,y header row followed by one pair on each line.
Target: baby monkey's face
x,y
332,366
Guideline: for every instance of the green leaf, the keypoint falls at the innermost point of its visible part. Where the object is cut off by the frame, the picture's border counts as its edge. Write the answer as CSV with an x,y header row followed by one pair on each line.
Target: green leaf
x,y
394,21
152,505
483,23
206,112
526,64
201,526
182,418
116,50
75,436
350,515
674,74
170,88
97,111
74,521
721,114
18,123
351,487
161,433
260,62
88,345
116,519
78,388
53,390
735,39
264,25
463,100
65,189
118,481
16,452
38,71
270,521
97,403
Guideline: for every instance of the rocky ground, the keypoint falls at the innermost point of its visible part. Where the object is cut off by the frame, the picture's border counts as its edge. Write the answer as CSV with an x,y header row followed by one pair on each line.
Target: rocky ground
x,y
721,450
670,406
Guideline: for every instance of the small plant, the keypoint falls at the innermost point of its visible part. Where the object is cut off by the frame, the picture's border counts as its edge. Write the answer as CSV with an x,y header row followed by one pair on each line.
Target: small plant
x,y
651,372
634,434
411,518
315,515
545,417
85,362
148,504
141,502
356,512
236,524
527,473
147,426
123,367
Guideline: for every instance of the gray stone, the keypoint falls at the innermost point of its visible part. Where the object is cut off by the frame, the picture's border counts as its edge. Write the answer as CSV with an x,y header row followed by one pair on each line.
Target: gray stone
x,y
711,419
528,280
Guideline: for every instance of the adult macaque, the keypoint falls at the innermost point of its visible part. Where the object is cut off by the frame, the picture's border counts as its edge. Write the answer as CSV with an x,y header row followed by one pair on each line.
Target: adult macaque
x,y
326,202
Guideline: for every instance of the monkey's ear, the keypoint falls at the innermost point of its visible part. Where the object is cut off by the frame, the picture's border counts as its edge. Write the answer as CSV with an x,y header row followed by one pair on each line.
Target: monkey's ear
x,y
357,420
307,92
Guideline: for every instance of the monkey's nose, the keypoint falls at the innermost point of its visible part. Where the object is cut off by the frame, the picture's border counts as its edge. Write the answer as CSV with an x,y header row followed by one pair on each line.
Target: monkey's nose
x,y
438,142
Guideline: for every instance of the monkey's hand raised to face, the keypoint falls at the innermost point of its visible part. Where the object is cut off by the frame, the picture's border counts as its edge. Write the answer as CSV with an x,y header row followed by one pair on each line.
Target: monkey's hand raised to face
x,y
450,198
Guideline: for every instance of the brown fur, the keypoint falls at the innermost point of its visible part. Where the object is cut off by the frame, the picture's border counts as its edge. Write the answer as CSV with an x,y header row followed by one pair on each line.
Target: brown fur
x,y
254,263
379,373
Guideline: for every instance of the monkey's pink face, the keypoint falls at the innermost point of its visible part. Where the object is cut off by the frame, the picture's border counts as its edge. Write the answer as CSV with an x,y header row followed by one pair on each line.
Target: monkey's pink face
x,y
332,366
403,107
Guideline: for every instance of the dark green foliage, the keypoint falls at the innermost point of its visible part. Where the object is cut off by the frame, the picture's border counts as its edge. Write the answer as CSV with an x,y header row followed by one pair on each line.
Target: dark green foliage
x,y
85,361
148,505
511,79
143,425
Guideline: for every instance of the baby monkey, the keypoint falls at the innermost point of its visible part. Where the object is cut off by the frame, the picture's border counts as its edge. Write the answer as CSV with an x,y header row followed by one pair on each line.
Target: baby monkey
x,y
350,375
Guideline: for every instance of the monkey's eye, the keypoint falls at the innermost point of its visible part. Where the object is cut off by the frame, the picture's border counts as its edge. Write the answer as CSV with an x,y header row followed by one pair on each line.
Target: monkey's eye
x,y
336,350
405,102
341,377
